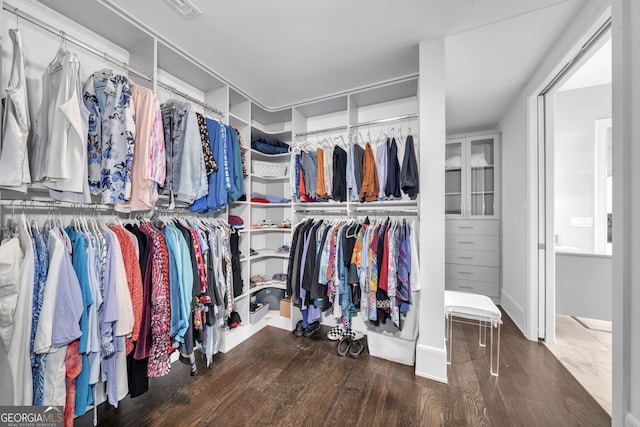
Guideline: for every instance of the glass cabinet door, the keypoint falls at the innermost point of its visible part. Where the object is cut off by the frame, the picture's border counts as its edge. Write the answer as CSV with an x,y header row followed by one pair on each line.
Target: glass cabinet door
x,y
482,173
454,199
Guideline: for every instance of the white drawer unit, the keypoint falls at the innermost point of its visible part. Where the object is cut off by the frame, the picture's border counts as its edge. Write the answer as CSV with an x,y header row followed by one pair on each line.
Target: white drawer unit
x,y
472,272
471,242
470,257
484,227
485,288
473,256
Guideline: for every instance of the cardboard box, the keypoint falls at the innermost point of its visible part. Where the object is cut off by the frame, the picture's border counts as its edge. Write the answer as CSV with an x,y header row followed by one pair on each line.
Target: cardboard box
x,y
285,307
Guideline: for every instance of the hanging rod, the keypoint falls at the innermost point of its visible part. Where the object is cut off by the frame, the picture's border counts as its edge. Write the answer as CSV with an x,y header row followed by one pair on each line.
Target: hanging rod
x,y
327,130
52,204
371,212
345,127
20,14
190,98
388,120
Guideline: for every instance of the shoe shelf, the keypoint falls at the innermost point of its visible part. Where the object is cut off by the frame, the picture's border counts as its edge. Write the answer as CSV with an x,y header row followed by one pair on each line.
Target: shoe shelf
x,y
271,230
268,284
270,178
268,253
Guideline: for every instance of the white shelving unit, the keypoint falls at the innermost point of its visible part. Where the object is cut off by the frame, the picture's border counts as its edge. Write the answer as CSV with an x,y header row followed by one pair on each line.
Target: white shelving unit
x,y
173,73
472,195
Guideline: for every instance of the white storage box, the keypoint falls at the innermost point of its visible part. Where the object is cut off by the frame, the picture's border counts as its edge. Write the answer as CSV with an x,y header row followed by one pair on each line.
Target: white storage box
x,y
255,316
391,348
268,169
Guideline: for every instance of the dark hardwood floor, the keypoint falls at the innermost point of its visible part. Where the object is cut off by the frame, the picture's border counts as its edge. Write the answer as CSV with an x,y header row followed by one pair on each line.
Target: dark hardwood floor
x,y
275,378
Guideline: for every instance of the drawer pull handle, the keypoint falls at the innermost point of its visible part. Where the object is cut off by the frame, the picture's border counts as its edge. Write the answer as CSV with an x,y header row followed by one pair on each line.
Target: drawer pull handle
x,y
466,272
466,227
465,243
465,287
465,257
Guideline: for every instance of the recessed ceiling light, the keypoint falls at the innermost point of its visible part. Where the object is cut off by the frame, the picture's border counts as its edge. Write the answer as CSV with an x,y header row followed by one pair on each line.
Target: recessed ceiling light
x,y
185,8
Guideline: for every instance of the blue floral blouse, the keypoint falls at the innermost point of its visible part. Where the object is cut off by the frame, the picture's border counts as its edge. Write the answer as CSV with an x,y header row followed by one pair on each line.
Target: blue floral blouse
x,y
111,135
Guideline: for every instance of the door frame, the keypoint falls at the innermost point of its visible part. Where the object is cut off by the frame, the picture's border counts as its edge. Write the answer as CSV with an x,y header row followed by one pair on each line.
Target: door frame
x,y
540,250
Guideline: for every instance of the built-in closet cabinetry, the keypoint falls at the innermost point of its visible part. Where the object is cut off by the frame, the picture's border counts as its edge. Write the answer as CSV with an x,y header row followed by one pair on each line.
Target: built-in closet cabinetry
x,y
472,207
367,115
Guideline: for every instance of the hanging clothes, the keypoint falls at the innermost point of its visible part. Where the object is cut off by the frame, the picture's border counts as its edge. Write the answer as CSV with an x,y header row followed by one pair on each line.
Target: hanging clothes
x,y
112,132
60,142
409,178
11,257
392,187
148,168
14,159
369,189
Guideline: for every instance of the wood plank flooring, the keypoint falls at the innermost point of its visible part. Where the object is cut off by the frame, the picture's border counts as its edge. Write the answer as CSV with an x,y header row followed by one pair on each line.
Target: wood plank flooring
x,y
275,378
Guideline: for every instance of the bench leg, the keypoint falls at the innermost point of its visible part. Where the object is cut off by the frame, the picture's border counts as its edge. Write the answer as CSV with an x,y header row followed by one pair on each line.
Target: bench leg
x,y
497,362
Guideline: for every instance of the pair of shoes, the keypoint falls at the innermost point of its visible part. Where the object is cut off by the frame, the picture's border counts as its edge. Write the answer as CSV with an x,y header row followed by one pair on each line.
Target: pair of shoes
x,y
311,329
284,249
339,331
285,224
299,330
349,345
267,223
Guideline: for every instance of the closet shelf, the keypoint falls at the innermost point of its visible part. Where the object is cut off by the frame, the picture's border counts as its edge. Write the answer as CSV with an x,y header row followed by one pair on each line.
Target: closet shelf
x,y
320,205
268,284
258,130
452,169
239,202
256,153
235,118
244,259
269,253
271,205
271,230
383,203
453,194
270,178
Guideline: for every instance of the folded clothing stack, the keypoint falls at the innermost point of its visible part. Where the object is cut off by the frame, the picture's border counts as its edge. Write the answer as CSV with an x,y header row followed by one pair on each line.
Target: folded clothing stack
x,y
269,145
265,198
236,221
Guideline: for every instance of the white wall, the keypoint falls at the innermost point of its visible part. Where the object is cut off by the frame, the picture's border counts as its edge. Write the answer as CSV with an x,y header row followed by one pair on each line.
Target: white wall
x,y
584,285
575,114
513,214
431,357
626,211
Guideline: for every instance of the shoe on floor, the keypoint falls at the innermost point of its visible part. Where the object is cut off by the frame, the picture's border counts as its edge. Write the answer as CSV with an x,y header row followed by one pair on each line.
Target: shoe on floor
x,y
356,348
343,345
194,371
311,329
336,333
299,329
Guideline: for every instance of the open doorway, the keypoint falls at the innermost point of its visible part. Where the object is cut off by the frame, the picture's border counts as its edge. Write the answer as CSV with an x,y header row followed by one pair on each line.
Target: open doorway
x,y
577,220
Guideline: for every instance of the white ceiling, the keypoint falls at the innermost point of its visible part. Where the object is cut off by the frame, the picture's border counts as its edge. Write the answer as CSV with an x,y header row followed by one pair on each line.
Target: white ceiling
x,y
284,52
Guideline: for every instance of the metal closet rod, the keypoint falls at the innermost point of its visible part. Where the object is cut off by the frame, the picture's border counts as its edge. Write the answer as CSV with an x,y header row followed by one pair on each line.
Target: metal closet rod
x,y
75,41
52,204
369,123
190,98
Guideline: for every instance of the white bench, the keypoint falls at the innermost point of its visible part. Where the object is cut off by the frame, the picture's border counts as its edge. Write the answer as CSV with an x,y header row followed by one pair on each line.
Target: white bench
x,y
478,309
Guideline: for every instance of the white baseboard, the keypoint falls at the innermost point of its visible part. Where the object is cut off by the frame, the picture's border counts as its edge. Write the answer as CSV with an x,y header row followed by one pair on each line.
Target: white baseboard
x,y
513,309
431,363
631,420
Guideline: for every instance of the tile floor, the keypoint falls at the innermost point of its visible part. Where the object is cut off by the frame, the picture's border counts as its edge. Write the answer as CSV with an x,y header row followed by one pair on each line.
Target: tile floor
x,y
586,353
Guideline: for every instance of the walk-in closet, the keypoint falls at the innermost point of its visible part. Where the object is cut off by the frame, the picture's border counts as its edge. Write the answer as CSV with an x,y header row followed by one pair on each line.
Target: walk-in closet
x,y
282,214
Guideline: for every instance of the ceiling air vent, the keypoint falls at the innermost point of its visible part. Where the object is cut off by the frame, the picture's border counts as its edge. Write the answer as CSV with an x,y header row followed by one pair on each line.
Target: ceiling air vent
x,y
185,8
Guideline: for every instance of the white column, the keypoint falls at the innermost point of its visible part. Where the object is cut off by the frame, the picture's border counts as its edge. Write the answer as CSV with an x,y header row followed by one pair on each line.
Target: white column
x,y
626,212
431,356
